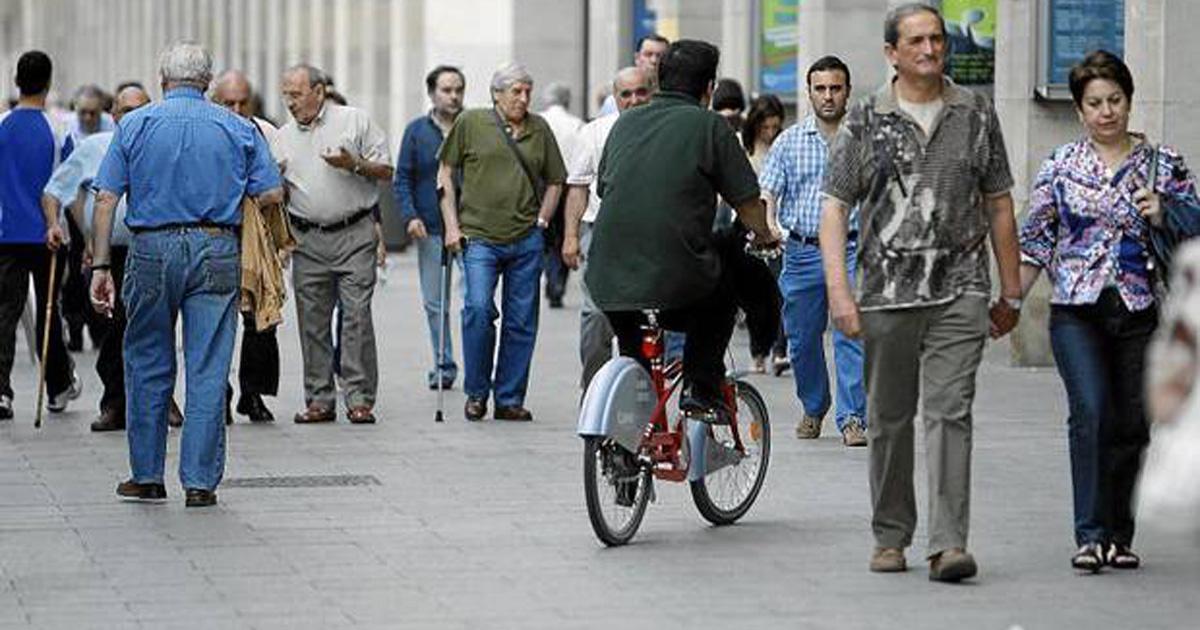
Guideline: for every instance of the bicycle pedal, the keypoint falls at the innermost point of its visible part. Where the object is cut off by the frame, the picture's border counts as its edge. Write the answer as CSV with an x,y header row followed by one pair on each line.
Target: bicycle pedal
x,y
707,416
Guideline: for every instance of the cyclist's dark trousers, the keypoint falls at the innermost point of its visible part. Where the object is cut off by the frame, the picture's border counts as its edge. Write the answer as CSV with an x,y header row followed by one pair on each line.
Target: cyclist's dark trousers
x,y
708,324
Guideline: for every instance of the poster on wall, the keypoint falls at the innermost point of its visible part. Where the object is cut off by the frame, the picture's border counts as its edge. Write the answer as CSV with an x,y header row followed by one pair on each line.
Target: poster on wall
x,y
1078,27
971,35
778,47
645,22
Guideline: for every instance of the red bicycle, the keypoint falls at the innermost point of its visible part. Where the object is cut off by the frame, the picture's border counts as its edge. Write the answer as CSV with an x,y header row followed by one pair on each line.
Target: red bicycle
x,y
630,440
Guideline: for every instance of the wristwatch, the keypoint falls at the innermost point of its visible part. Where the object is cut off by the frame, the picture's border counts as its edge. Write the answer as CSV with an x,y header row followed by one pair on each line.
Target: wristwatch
x,y
542,223
1013,303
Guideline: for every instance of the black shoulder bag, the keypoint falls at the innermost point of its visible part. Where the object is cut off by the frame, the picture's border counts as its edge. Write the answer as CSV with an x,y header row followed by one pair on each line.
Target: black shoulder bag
x,y
1180,222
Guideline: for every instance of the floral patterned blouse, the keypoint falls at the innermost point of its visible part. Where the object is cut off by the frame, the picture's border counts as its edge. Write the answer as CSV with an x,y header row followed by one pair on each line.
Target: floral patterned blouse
x,y
1084,229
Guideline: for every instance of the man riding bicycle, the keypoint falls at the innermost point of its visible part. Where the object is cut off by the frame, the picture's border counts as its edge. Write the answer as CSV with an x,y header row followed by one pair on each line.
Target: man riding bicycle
x,y
653,247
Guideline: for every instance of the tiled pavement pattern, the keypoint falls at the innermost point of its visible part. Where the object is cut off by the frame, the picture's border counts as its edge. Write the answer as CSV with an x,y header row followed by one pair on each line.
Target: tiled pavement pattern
x,y
483,525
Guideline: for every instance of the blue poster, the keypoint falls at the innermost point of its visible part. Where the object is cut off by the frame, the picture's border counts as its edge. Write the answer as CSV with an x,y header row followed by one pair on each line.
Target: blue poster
x,y
645,22
1078,27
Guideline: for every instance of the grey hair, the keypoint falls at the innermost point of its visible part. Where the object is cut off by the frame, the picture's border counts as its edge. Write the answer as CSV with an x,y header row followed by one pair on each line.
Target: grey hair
x,y
315,75
891,24
508,75
90,90
186,62
556,94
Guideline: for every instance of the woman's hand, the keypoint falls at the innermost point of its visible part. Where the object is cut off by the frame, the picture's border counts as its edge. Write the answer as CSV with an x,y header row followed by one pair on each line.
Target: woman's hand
x,y
1149,206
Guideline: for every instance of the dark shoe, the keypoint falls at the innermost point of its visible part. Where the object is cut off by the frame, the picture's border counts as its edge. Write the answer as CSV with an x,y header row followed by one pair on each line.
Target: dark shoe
x,y
253,407
315,414
779,365
228,404
197,497
110,419
696,408
515,413
360,415
888,560
952,565
556,302
133,491
475,409
447,384
1090,557
1121,556
174,415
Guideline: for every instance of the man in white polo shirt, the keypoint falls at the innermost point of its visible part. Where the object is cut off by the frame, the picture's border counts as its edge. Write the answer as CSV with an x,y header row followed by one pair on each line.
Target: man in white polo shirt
x,y
333,156
631,87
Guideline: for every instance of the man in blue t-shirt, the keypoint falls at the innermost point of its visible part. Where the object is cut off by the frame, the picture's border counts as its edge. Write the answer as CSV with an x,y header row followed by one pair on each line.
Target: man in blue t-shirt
x,y
31,146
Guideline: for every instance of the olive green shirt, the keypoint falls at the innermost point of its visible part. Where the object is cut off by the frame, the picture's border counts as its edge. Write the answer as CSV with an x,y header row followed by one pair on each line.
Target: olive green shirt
x,y
663,166
498,203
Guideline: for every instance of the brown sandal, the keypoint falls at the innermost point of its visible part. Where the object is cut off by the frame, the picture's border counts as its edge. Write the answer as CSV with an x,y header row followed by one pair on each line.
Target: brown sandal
x,y
360,415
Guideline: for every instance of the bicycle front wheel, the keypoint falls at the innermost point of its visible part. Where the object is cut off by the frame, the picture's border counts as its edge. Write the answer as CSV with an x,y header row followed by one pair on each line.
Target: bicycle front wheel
x,y
617,489
726,494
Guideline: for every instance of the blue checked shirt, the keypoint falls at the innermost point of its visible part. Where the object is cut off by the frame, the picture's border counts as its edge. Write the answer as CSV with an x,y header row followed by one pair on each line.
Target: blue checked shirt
x,y
793,173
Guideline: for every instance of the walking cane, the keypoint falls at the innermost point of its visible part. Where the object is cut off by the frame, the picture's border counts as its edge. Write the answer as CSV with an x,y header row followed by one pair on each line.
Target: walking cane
x,y
37,421
442,315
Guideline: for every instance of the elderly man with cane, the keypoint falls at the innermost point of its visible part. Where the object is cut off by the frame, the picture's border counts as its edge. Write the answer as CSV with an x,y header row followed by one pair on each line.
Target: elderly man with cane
x,y
184,213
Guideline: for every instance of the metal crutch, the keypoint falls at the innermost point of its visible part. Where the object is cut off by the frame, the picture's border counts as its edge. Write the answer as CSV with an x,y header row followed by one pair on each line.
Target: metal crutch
x,y
442,316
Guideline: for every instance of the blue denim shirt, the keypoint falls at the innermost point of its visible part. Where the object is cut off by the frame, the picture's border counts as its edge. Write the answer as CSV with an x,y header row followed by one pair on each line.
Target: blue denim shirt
x,y
186,160
415,182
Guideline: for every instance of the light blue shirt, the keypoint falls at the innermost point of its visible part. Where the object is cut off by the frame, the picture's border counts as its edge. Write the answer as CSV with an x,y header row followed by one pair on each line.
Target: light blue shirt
x,y
79,170
793,172
185,160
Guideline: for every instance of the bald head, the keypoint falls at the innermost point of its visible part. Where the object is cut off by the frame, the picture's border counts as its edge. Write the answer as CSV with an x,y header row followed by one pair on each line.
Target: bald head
x,y
232,91
129,99
632,87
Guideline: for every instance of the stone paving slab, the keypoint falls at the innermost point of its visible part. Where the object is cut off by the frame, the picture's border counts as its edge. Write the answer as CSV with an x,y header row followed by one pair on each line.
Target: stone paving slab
x,y
483,525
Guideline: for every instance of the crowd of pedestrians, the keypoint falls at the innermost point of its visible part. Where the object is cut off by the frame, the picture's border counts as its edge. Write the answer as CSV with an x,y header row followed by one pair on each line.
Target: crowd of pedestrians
x,y
187,213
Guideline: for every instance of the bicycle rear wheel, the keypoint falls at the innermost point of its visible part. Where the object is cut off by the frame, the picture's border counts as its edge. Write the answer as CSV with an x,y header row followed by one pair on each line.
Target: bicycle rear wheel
x,y
617,489
725,494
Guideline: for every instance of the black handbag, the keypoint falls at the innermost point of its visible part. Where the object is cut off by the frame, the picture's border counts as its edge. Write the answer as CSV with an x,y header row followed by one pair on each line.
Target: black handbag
x,y
1180,222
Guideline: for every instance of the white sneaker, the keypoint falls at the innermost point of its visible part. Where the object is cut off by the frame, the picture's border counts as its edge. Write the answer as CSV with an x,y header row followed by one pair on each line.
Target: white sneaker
x,y
59,402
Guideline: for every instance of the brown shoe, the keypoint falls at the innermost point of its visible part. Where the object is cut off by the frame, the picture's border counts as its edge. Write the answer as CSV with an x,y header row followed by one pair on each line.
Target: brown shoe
x,y
360,415
475,409
315,414
952,565
888,560
809,428
111,419
174,415
853,434
515,413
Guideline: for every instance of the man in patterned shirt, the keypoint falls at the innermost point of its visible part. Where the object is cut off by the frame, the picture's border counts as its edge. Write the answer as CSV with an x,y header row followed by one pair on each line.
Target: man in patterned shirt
x,y
925,161
791,181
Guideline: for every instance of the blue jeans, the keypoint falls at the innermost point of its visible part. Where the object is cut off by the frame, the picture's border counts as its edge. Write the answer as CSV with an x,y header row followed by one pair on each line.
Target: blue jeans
x,y
429,268
484,263
805,319
1100,351
194,272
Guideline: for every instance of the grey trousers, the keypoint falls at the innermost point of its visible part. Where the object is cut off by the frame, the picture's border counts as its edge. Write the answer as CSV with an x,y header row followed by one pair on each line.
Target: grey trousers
x,y
935,350
595,334
330,268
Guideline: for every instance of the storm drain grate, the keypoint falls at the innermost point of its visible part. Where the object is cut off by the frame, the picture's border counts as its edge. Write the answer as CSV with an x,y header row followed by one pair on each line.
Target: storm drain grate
x,y
302,481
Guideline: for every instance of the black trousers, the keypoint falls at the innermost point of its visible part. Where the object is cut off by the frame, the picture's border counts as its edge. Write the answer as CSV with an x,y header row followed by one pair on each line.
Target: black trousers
x,y
17,263
755,289
110,363
258,371
76,288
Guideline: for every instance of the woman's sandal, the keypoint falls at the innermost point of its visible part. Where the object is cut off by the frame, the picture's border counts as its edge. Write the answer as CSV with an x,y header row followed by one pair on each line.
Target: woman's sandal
x,y
1090,557
1122,557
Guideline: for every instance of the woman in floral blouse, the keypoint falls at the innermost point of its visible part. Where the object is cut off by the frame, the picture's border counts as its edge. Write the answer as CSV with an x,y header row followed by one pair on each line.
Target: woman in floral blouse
x,y
1088,226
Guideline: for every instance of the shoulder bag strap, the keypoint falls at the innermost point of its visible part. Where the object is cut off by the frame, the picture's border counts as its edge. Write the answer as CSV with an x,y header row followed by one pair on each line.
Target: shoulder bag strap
x,y
534,180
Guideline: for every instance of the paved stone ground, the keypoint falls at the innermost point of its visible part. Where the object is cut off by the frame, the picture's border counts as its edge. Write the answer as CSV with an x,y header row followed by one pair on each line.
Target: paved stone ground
x,y
483,525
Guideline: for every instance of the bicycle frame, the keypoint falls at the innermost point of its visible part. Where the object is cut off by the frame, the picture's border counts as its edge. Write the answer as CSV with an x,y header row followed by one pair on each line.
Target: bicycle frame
x,y
661,444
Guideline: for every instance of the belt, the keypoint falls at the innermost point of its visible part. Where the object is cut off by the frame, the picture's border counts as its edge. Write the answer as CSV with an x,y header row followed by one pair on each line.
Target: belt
x,y
214,229
305,225
851,236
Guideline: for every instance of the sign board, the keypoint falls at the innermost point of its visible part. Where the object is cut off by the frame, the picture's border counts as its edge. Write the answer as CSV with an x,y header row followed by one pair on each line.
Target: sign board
x,y
1072,29
971,36
779,43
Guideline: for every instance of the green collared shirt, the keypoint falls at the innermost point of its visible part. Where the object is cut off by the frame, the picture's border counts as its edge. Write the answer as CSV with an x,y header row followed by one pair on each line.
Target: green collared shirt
x,y
923,213
663,166
498,202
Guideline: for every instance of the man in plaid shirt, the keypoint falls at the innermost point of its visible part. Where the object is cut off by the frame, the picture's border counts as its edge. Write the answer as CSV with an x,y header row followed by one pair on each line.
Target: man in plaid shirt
x,y
791,179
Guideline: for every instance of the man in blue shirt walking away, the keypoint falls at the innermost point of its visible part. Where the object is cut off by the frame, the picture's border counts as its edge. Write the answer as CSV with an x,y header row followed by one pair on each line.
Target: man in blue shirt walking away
x,y
185,164
31,146
415,185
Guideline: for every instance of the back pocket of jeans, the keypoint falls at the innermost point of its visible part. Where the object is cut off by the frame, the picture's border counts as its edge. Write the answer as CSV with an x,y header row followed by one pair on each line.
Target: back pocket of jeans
x,y
143,279
222,272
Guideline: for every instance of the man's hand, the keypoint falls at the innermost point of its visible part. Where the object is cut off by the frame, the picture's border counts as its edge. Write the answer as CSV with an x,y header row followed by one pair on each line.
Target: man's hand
x,y
1003,319
416,230
341,158
55,236
103,292
570,251
454,239
845,315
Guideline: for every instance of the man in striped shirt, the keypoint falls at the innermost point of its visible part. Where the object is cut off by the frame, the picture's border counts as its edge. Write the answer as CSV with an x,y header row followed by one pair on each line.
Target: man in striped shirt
x,y
791,180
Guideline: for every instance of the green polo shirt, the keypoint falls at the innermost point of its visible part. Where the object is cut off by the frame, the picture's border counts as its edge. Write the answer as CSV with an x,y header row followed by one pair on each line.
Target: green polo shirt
x,y
663,166
498,203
